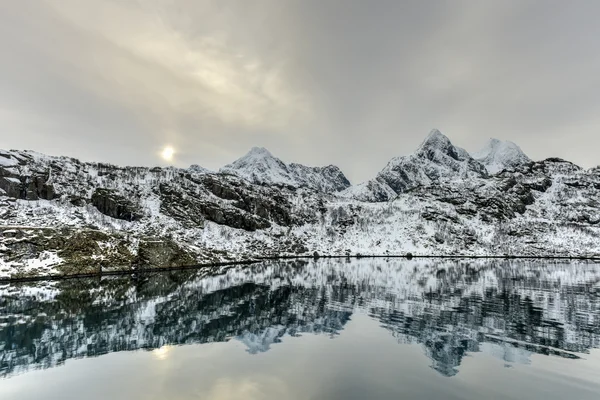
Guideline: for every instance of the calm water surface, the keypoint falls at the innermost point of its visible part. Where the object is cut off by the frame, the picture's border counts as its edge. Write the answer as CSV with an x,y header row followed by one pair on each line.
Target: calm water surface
x,y
326,329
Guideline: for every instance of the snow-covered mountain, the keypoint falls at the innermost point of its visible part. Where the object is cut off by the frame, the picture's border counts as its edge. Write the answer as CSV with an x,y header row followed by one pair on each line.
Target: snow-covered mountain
x,y
497,155
261,167
59,215
195,168
436,159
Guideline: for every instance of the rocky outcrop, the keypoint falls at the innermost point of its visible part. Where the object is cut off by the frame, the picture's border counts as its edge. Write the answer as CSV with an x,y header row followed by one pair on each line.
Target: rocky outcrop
x,y
112,204
263,202
233,217
27,187
162,254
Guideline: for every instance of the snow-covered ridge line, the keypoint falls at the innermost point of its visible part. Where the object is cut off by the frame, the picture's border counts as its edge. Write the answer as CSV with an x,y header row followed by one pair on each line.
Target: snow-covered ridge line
x,y
439,200
436,159
261,167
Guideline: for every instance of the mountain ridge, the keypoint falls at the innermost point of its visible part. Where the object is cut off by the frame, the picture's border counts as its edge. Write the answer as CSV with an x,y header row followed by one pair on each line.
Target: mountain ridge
x,y
59,215
436,158
261,167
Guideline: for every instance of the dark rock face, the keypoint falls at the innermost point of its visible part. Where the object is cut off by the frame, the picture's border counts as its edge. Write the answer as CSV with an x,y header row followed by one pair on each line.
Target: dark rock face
x,y
233,217
220,188
176,204
275,208
110,203
36,187
264,202
162,254
11,186
28,187
235,204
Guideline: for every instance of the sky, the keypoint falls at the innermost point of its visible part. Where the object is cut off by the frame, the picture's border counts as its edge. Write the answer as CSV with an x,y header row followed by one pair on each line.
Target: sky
x,y
345,82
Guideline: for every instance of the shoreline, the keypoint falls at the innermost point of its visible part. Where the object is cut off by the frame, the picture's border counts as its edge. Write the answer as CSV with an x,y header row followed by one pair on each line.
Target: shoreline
x,y
408,257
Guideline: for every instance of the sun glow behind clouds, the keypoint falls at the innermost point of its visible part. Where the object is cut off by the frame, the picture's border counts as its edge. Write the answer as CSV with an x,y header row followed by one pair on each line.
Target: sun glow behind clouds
x,y
167,153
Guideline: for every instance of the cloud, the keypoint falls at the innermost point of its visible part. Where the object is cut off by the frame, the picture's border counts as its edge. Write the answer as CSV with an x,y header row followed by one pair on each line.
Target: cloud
x,y
188,73
347,82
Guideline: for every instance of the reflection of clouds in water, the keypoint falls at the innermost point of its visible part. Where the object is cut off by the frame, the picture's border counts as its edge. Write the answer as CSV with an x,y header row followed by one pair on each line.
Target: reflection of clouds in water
x,y
251,388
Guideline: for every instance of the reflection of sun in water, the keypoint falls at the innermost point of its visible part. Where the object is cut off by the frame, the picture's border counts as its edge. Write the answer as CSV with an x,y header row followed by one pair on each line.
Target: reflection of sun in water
x,y
161,353
167,153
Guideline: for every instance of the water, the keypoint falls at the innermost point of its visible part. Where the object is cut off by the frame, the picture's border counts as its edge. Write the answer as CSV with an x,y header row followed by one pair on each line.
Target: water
x,y
326,329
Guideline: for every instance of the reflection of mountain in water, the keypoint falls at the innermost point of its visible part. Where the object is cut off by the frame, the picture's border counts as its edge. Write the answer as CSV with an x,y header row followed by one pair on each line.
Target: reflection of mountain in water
x,y
509,309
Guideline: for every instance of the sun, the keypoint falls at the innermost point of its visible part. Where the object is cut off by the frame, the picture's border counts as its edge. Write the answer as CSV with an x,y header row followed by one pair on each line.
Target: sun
x,y
167,153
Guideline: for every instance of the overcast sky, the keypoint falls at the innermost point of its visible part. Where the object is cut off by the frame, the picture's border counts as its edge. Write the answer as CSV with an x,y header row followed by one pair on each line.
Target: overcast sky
x,y
352,83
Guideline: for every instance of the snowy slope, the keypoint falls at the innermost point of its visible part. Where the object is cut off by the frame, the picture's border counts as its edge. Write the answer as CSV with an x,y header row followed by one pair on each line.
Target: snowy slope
x,y
497,155
195,168
61,215
261,167
374,190
328,179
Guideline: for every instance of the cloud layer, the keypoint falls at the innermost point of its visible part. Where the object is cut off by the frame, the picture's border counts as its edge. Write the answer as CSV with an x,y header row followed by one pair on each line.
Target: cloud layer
x,y
347,82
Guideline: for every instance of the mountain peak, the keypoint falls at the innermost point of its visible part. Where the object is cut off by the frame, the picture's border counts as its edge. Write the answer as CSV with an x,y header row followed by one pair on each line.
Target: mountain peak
x,y
261,167
436,159
437,146
497,155
435,133
259,151
436,140
198,169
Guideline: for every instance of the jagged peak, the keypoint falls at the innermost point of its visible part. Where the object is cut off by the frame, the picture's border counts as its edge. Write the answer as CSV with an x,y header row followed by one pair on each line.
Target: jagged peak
x,y
435,133
259,151
438,146
256,156
260,166
435,139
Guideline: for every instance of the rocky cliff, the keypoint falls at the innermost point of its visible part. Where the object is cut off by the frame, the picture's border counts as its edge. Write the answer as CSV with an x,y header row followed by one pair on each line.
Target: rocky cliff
x,y
59,215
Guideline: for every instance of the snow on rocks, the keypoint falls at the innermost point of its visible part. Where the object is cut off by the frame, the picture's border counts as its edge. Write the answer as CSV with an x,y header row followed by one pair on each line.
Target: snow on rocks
x,y
437,201
261,167
497,155
434,160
